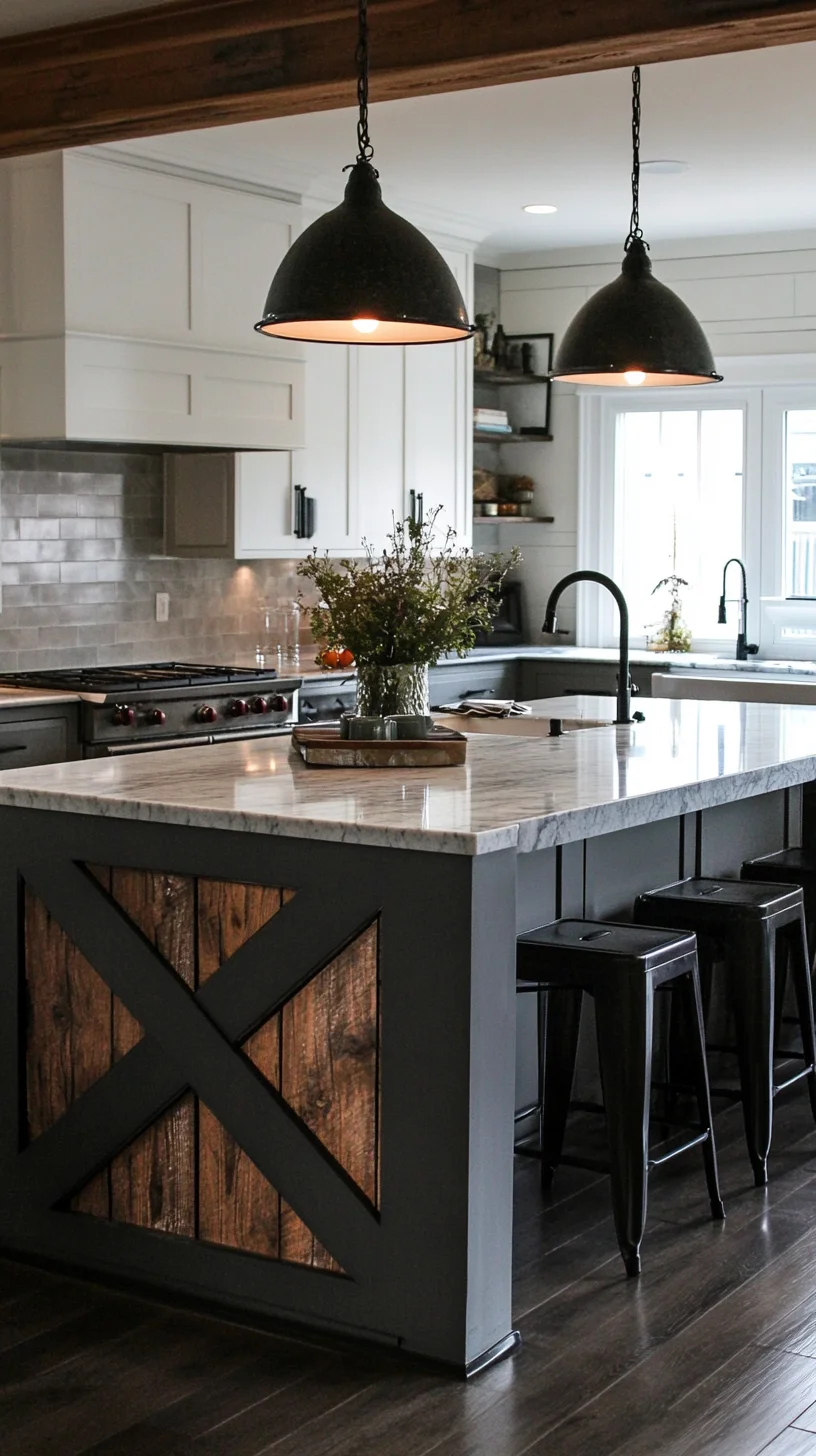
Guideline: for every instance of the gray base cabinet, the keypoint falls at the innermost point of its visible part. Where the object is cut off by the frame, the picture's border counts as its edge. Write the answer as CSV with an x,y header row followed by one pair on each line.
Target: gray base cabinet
x,y
567,676
32,736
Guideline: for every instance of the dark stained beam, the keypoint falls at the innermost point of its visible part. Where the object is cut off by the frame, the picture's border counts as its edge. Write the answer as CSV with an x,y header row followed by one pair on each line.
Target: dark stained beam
x,y
200,63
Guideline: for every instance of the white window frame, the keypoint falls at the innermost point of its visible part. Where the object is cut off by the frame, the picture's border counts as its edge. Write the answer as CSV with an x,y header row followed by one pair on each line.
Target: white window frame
x,y
777,610
597,618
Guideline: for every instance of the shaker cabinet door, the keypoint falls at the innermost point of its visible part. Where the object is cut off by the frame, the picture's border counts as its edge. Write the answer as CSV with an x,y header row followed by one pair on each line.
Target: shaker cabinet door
x,y
326,467
264,516
380,442
438,409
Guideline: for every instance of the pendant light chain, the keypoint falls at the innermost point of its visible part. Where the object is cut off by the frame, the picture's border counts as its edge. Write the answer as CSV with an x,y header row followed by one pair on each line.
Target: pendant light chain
x,y
365,150
635,230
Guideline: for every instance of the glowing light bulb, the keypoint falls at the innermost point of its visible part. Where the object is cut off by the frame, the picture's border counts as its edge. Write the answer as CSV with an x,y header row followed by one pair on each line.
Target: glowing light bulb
x,y
634,376
365,325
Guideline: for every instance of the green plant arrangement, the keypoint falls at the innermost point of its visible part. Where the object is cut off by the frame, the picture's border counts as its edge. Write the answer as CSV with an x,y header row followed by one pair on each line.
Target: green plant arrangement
x,y
402,610
674,635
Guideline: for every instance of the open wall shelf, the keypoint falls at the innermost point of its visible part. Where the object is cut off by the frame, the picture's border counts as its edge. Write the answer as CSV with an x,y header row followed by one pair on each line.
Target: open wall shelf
x,y
495,437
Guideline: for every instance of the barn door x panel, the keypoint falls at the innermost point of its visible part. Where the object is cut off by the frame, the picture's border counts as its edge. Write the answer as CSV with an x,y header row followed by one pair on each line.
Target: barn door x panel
x,y
188,1074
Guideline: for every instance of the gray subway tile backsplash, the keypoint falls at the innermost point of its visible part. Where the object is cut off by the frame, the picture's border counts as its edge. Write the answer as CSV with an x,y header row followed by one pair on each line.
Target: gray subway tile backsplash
x,y
81,552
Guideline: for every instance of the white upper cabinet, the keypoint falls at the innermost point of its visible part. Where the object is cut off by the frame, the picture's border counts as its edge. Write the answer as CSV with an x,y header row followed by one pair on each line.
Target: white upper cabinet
x,y
438,428
131,303
380,440
415,429
328,468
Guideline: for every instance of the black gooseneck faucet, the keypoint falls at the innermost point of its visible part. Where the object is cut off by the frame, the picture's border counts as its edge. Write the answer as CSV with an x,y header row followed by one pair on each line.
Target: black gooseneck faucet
x,y
624,686
744,647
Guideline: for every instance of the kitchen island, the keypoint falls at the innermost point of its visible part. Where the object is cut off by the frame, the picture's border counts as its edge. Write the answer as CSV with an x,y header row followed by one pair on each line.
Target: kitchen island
x,y
259,1020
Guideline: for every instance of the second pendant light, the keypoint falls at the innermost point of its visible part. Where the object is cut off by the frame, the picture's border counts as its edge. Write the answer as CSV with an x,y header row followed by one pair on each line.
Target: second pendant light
x,y
635,331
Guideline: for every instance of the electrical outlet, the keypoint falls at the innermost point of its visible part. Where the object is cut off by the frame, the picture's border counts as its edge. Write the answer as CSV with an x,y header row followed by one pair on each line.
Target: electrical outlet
x,y
162,606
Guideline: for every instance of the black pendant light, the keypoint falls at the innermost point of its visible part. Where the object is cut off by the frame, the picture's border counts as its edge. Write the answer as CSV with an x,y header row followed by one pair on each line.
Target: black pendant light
x,y
635,331
361,274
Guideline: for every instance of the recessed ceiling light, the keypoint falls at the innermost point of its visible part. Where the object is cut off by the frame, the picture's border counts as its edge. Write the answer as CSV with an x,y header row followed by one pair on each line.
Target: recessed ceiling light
x,y
663,167
539,207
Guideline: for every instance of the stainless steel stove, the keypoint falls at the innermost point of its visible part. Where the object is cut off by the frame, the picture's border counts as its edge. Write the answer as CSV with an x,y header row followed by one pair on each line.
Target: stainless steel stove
x,y
170,704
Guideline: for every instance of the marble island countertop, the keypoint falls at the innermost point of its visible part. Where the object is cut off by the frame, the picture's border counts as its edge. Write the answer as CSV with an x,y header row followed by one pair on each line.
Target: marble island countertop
x,y
519,791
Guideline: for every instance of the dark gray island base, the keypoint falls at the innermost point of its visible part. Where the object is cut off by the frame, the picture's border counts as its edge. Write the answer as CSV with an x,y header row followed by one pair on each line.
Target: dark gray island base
x,y
276,1071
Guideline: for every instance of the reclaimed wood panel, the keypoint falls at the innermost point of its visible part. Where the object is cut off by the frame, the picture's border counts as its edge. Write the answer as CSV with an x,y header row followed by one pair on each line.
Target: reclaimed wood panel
x,y
185,1174
209,62
153,1181
103,874
68,1032
330,1076
236,1204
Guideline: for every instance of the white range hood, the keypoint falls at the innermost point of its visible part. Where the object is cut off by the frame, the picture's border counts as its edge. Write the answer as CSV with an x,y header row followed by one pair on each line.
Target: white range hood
x,y
127,302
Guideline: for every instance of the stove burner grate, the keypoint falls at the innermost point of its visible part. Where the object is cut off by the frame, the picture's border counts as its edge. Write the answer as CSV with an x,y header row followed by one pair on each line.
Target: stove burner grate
x,y
140,676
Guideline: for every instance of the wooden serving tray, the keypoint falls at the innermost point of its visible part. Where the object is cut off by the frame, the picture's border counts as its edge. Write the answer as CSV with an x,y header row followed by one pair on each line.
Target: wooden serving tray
x,y
324,748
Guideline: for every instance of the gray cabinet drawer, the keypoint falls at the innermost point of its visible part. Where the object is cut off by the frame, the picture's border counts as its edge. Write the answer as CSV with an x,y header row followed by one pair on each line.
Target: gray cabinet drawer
x,y
31,741
476,680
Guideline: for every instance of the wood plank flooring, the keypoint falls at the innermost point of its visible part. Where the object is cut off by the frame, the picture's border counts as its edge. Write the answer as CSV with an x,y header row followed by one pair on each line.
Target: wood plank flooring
x,y
711,1353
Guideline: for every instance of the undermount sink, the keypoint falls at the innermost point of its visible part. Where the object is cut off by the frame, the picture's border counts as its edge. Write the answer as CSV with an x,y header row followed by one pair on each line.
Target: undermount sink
x,y
527,726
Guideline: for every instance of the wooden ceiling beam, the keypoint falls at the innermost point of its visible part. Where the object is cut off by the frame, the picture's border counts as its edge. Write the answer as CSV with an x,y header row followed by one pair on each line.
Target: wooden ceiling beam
x,y
198,63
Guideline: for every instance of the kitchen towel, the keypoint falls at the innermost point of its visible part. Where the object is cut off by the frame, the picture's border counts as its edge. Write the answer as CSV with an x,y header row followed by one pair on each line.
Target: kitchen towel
x,y
487,708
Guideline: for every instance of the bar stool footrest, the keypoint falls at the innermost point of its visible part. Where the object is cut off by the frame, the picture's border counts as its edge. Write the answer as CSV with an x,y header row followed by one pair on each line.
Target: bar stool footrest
x,y
797,1077
702,1137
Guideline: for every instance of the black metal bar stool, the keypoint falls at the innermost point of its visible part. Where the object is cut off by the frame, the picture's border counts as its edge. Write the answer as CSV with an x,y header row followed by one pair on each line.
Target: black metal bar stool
x,y
621,967
740,921
789,867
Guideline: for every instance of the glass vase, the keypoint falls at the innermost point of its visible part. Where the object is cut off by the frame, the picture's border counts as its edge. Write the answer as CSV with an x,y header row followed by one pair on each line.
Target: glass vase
x,y
401,688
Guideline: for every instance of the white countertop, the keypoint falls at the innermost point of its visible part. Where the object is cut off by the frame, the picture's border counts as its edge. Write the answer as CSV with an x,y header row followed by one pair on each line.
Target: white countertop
x,y
527,792
689,662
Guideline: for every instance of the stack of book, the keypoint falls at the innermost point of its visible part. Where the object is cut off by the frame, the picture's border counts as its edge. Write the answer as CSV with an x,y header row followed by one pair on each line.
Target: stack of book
x,y
491,421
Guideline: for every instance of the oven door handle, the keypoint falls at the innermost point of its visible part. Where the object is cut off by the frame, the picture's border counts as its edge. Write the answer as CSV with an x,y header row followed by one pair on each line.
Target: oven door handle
x,y
118,750
278,731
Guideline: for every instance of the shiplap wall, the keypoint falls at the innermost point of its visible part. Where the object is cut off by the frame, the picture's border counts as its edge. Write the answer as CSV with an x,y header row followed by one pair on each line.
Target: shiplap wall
x,y
755,296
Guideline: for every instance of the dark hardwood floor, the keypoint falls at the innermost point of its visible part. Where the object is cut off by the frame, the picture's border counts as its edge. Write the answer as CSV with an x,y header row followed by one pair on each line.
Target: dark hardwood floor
x,y
712,1351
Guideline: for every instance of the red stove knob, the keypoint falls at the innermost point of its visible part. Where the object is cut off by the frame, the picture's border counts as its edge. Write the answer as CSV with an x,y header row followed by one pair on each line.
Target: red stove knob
x,y
206,714
124,717
260,705
157,716
278,703
238,708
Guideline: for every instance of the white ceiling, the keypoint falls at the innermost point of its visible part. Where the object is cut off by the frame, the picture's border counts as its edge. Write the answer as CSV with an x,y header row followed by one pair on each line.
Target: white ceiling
x,y
469,160
18,16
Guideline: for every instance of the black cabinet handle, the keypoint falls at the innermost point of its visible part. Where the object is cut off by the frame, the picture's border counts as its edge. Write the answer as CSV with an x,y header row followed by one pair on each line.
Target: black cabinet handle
x,y
13,747
421,509
304,527
478,693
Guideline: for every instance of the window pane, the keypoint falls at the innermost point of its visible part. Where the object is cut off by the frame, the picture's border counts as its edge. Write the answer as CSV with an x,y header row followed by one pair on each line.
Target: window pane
x,y
800,503
679,511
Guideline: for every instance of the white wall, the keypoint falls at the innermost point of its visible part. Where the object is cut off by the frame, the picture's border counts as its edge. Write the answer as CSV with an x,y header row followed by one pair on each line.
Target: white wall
x,y
754,296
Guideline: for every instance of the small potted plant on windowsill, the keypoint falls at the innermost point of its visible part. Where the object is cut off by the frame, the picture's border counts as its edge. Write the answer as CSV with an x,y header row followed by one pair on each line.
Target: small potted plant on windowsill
x,y
404,609
673,635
